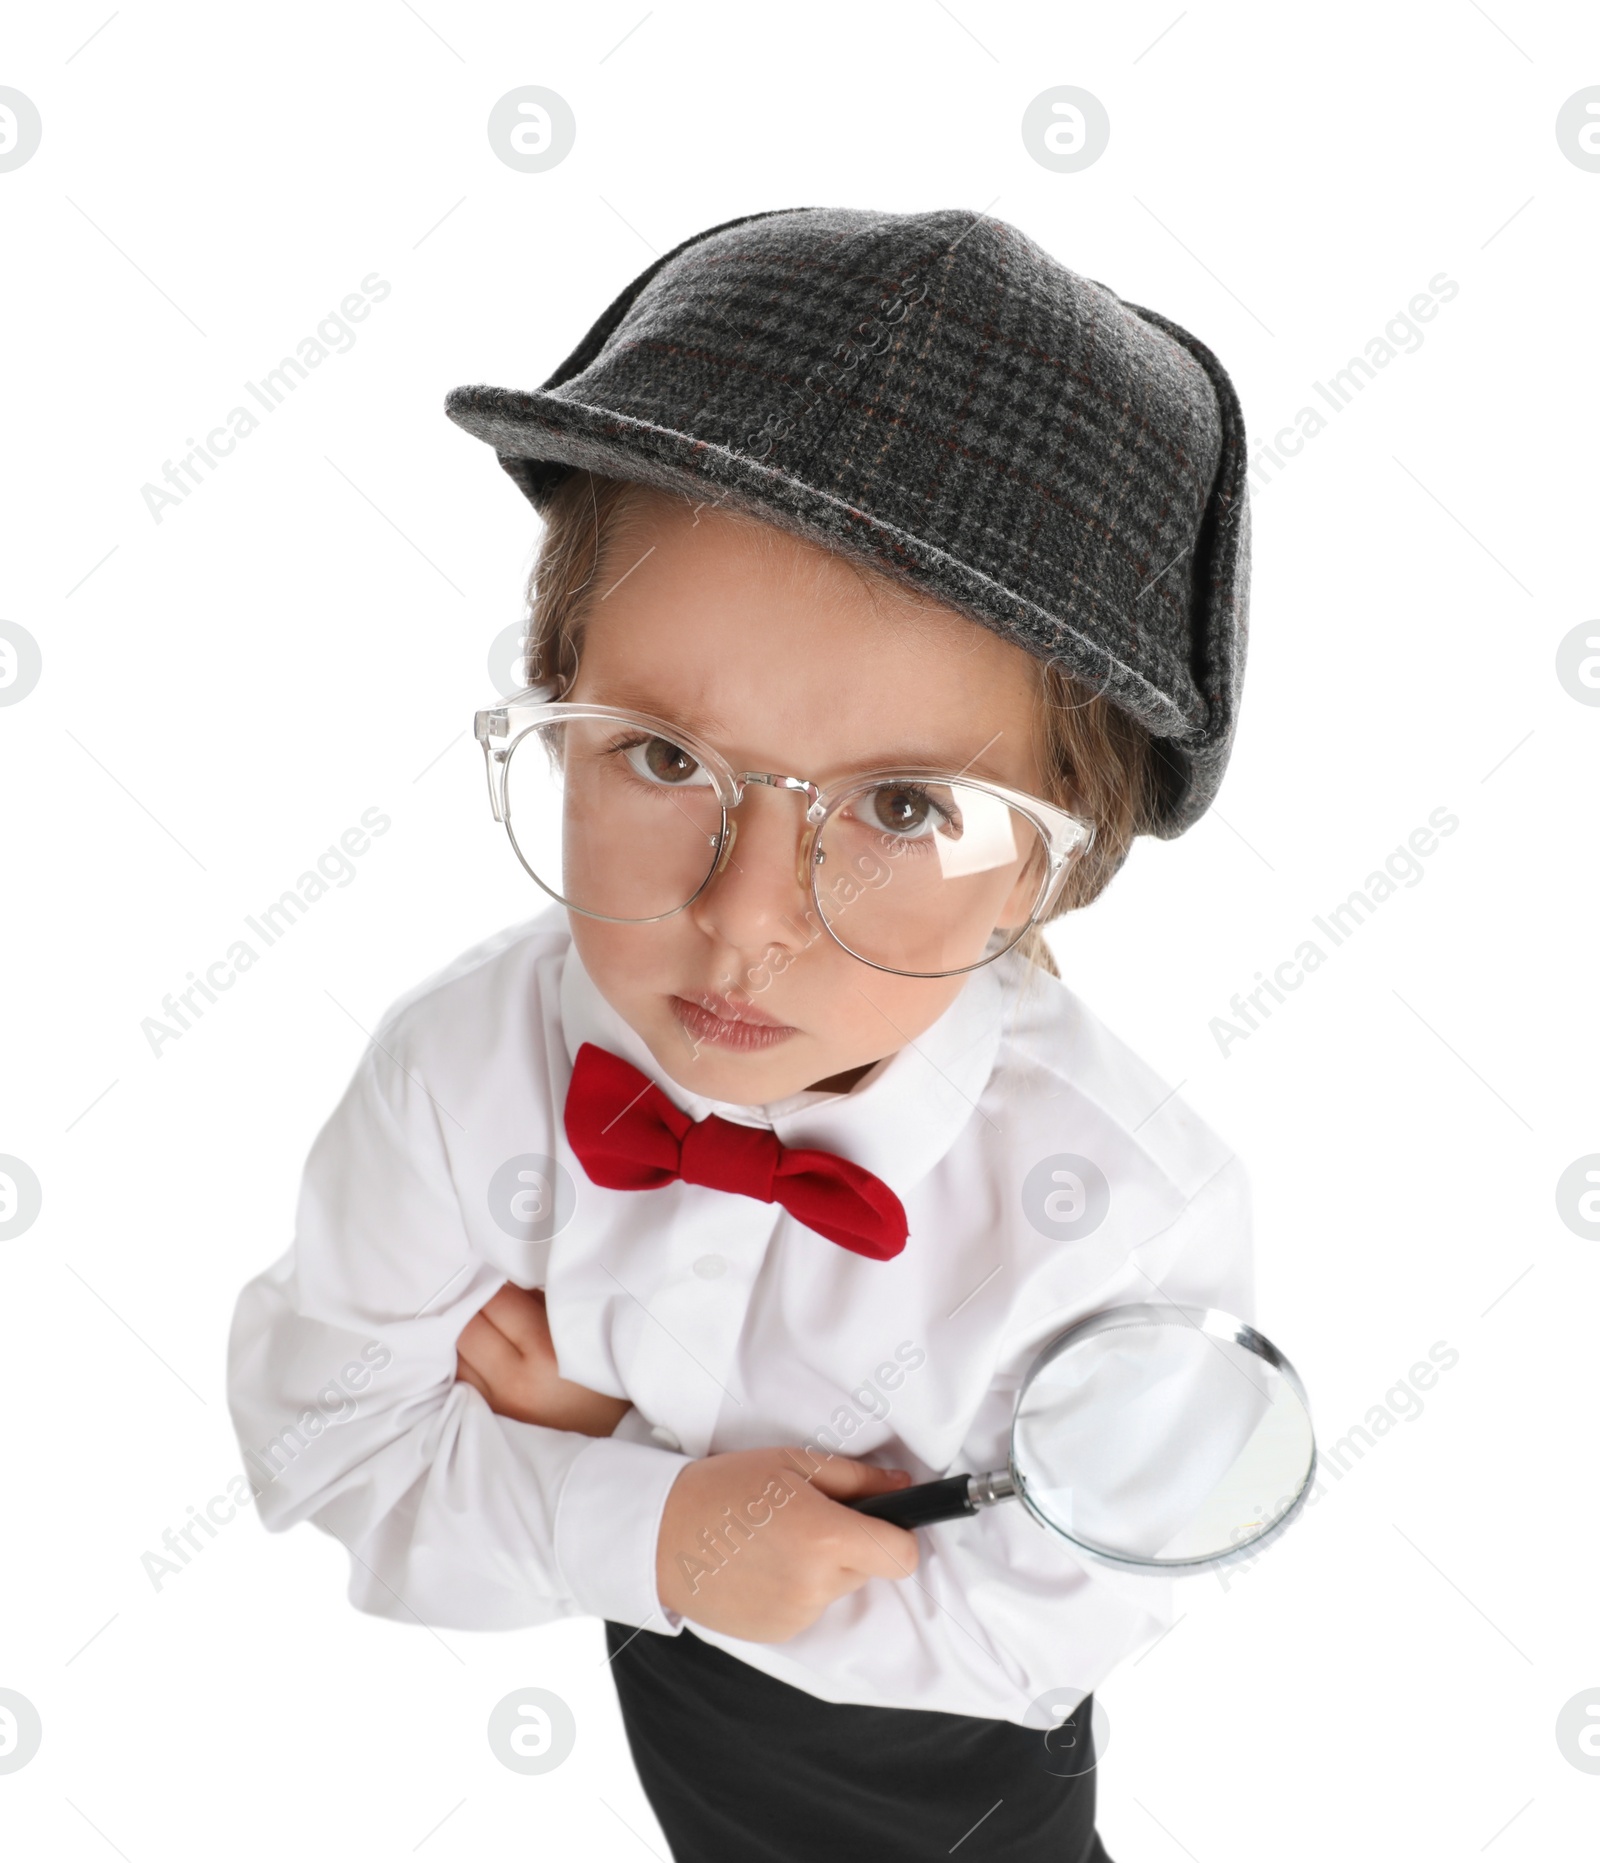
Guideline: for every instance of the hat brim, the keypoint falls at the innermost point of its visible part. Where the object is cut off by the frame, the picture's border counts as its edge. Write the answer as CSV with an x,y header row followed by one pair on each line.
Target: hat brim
x,y
540,437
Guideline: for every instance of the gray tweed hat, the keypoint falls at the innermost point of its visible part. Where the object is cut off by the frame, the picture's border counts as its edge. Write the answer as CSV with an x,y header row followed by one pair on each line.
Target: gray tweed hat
x,y
932,393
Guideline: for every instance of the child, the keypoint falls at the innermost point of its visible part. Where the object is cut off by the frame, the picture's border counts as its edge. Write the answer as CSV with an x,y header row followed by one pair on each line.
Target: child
x,y
894,577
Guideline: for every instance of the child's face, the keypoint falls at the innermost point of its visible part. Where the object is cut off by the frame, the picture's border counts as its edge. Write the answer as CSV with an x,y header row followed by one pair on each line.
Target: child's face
x,y
784,661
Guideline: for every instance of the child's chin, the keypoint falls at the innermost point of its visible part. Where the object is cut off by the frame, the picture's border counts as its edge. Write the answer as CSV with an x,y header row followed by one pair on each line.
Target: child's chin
x,y
751,1079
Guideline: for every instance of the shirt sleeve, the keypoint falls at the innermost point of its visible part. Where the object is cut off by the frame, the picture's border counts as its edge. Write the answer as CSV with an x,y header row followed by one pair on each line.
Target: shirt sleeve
x,y
1001,1617
343,1393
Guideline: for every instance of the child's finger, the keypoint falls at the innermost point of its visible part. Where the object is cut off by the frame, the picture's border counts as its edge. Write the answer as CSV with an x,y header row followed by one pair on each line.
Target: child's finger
x,y
519,1312
466,1375
878,1550
872,1548
884,1551
488,1351
842,1478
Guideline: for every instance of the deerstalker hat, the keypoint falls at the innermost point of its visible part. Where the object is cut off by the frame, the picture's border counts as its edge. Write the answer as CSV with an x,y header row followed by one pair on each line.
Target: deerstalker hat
x,y
935,395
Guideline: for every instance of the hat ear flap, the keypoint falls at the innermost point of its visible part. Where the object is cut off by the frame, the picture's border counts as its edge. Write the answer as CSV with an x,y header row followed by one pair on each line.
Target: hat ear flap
x,y
1191,770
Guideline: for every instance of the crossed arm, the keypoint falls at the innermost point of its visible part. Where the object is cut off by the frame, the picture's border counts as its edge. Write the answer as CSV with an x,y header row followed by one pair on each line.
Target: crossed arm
x,y
810,1553
506,1354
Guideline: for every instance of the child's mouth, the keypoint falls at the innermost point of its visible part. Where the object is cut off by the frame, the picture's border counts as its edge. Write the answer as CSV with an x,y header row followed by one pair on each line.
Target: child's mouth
x,y
722,1024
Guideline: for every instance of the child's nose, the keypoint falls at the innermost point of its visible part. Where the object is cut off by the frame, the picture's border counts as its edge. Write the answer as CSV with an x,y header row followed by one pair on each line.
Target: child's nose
x,y
757,898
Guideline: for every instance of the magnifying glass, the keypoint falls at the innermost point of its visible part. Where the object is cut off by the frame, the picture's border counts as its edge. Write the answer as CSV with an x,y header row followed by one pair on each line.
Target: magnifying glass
x,y
1155,1438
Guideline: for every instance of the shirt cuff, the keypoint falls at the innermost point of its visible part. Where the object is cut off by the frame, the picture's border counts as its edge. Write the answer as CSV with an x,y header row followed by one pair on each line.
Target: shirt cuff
x,y
608,1520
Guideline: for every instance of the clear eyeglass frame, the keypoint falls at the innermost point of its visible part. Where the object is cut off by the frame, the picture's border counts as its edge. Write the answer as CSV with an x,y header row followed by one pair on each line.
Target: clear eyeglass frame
x,y
500,728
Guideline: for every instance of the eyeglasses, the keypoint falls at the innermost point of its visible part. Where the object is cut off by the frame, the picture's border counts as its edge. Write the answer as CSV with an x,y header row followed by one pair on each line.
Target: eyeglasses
x,y
627,817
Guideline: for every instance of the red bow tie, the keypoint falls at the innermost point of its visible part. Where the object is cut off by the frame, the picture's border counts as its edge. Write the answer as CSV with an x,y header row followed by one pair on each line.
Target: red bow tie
x,y
629,1136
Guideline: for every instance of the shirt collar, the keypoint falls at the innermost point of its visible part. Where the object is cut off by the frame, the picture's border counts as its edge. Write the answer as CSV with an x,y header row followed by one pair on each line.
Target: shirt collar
x,y
898,1121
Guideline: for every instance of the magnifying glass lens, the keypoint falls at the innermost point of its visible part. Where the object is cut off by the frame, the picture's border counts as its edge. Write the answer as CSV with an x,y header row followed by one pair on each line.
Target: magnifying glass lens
x,y
1161,1443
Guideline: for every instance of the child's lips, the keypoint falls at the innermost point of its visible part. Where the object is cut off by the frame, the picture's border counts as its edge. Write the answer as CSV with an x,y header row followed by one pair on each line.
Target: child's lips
x,y
727,1010
715,1020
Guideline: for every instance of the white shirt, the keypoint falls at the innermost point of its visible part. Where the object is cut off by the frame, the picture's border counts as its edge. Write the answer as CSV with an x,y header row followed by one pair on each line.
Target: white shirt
x,y
726,1323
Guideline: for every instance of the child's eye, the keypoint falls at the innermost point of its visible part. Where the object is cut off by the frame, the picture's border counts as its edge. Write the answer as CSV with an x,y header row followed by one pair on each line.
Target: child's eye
x,y
909,812
659,761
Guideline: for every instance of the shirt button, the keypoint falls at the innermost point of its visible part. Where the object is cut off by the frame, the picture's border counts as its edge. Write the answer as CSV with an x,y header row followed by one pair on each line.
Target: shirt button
x,y
665,1437
708,1267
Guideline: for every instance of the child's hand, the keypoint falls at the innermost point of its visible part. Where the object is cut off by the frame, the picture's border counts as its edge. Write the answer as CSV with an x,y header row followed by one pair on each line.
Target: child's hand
x,y
801,1551
505,1352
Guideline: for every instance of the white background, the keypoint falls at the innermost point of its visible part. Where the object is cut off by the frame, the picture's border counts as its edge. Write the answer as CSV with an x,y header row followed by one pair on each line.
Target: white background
x,y
224,693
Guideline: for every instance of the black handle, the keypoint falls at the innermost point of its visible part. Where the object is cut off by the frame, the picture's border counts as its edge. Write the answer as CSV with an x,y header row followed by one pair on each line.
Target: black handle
x,y
921,1506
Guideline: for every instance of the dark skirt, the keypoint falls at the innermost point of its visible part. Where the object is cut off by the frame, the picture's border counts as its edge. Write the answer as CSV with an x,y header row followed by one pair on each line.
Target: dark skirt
x,y
740,1766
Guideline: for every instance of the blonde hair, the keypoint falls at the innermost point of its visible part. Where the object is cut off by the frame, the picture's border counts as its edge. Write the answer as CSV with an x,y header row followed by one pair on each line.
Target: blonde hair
x,y
1101,763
